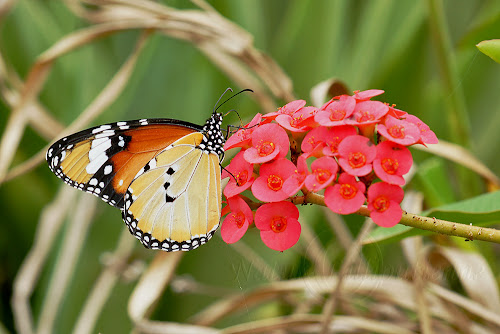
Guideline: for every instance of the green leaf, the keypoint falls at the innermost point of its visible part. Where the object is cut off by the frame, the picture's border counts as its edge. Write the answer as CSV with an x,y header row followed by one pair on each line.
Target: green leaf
x,y
432,179
491,48
482,210
394,233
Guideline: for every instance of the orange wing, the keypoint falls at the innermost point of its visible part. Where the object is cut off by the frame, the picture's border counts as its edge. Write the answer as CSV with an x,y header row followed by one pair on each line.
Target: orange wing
x,y
105,159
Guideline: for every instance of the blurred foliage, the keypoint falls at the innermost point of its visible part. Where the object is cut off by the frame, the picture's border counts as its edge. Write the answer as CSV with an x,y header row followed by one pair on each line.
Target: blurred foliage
x,y
402,47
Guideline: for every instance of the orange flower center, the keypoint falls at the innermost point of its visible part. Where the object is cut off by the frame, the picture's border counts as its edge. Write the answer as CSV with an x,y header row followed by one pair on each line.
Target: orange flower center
x,y
300,175
278,224
357,159
239,219
275,182
241,178
364,116
285,111
348,191
337,115
334,145
295,121
322,175
390,166
381,204
243,134
397,131
265,148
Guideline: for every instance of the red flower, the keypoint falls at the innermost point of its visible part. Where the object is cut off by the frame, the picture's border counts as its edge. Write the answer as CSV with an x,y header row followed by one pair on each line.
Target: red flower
x,y
278,224
241,175
396,113
334,112
356,155
269,142
236,223
287,109
323,141
383,203
368,112
324,172
346,196
296,181
335,136
314,141
427,136
367,94
268,187
399,131
242,137
392,162
298,121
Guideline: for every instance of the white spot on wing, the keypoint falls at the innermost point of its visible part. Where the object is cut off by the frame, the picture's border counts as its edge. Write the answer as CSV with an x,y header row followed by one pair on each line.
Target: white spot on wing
x,y
105,134
95,164
98,141
99,150
101,128
152,163
108,169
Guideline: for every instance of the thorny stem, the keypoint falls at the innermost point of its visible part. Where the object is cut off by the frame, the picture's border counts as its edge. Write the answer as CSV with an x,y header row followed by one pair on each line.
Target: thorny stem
x,y
432,224
469,232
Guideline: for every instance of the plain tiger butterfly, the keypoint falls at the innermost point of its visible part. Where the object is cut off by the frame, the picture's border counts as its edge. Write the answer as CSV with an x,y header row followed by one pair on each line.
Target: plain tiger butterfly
x,y
163,174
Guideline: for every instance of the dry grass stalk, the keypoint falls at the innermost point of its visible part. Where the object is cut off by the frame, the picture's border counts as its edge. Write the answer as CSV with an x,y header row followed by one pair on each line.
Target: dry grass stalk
x,y
50,222
349,260
152,285
104,284
74,238
107,96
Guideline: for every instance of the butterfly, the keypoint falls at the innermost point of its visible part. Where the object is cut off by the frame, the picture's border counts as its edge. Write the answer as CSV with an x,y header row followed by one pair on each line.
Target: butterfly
x,y
163,174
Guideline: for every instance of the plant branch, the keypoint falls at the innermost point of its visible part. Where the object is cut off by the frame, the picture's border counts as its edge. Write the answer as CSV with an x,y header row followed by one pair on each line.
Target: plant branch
x,y
469,232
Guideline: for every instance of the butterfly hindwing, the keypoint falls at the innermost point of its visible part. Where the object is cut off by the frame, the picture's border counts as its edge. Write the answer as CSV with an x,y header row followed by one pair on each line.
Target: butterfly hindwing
x,y
105,159
175,203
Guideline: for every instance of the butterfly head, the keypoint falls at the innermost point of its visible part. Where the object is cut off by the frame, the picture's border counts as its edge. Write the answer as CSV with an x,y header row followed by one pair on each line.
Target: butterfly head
x,y
213,140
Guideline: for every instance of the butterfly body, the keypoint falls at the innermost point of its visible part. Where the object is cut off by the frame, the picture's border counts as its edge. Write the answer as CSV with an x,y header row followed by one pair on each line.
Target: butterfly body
x,y
163,174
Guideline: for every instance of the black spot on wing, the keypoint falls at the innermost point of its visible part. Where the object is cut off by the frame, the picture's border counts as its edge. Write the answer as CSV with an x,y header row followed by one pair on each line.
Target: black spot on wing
x,y
169,199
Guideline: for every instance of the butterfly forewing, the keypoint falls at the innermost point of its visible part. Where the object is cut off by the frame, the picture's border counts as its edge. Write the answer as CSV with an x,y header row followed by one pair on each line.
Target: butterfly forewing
x,y
105,159
175,203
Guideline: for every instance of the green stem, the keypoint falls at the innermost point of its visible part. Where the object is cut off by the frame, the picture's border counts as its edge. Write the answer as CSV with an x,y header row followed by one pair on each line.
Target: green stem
x,y
457,114
468,232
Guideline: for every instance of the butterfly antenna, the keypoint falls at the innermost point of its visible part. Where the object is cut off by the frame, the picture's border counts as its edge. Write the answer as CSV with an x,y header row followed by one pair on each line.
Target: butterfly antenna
x,y
241,122
215,107
229,98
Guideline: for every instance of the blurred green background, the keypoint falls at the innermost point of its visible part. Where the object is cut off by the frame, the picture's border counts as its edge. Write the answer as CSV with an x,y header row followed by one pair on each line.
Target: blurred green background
x,y
422,53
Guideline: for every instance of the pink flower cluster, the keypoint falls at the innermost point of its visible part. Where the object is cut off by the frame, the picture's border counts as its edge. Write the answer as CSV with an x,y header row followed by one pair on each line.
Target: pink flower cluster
x,y
360,153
